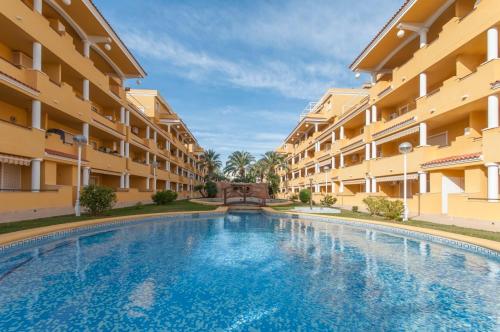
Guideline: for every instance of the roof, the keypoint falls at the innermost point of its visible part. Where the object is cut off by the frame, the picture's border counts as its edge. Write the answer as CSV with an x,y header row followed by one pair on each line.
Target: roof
x,y
460,159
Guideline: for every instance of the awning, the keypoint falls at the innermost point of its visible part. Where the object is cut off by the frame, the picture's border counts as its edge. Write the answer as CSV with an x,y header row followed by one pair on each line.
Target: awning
x,y
15,160
101,171
356,181
392,178
395,136
326,162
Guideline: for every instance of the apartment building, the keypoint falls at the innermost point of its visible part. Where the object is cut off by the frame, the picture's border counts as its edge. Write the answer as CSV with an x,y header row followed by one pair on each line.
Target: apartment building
x,y
62,74
435,83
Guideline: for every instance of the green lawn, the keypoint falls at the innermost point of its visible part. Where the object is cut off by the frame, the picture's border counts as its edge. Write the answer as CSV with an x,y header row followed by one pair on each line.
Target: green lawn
x,y
494,236
183,205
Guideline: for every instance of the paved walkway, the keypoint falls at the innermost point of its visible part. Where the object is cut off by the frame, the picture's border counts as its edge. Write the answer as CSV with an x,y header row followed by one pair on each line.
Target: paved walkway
x,y
493,226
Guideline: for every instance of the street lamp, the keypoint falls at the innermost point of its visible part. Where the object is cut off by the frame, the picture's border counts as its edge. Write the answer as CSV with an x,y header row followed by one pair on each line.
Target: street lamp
x,y
79,140
154,164
405,148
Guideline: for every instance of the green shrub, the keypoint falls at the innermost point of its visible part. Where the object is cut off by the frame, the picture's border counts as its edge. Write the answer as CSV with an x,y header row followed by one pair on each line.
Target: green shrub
x,y
328,201
374,205
294,197
96,200
164,197
355,209
211,189
305,195
392,210
200,188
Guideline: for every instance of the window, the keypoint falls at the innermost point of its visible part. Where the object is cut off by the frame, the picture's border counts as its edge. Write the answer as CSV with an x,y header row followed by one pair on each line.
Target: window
x,y
440,139
10,176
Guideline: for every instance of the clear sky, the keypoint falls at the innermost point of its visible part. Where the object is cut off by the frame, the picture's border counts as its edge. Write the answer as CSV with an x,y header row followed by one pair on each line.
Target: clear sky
x,y
240,72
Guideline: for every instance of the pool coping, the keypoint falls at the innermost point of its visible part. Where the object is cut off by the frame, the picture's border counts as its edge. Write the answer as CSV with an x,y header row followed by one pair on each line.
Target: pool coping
x,y
20,238
488,247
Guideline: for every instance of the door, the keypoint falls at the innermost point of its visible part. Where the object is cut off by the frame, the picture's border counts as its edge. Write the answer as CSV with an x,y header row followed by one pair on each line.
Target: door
x,y
450,185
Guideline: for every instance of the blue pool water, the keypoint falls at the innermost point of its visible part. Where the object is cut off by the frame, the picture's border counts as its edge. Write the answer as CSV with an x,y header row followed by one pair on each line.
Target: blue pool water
x,y
247,272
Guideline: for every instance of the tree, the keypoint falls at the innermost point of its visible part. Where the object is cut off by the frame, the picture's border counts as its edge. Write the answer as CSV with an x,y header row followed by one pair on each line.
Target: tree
x,y
238,164
258,170
272,160
96,200
212,162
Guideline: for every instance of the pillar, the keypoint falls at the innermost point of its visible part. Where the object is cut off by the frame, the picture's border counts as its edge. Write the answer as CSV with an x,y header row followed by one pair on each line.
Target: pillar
x,y
86,90
342,132
367,185
127,118
86,48
35,174
422,182
333,137
374,150
85,130
148,132
147,157
122,115
37,56
341,189
127,180
422,134
122,181
374,113
122,148
37,6
147,183
36,114
492,182
492,41
316,168
493,111
86,176
333,162
374,184
423,84
367,117
341,160
423,37
367,151
155,136
127,149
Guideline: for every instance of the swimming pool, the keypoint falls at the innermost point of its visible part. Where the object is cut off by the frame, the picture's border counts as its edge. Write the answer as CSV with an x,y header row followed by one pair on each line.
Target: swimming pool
x,y
246,271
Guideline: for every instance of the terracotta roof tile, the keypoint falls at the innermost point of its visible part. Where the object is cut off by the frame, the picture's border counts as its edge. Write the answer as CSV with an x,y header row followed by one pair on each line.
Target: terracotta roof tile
x,y
453,159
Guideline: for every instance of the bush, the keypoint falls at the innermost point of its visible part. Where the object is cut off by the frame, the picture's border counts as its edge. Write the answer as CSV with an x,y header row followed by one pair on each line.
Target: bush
x,y
328,201
355,209
211,189
200,188
164,197
374,205
305,195
392,210
96,199
294,197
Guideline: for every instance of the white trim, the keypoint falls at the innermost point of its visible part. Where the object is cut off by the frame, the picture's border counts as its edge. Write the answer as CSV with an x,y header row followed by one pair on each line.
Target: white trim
x,y
18,84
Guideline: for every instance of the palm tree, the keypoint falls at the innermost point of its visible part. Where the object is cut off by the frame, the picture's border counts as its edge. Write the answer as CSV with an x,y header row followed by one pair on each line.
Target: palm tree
x,y
212,162
238,163
259,170
272,160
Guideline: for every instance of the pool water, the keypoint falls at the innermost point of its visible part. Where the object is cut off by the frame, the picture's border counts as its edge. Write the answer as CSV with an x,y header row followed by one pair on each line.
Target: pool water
x,y
247,272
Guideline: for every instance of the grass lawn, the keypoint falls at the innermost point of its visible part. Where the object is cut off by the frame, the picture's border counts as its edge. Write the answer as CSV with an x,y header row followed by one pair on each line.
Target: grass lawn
x,y
494,236
178,206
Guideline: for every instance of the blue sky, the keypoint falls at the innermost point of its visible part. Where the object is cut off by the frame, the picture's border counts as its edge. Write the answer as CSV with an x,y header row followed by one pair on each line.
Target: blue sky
x,y
240,72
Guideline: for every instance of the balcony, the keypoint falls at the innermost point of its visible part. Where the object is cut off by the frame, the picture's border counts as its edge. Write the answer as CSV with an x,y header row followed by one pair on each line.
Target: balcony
x,y
138,169
103,160
357,171
60,143
491,138
106,122
25,76
21,141
394,164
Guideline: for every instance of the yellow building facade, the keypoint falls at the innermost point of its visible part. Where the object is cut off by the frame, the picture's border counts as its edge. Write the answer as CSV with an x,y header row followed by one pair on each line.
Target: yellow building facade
x,y
62,73
435,83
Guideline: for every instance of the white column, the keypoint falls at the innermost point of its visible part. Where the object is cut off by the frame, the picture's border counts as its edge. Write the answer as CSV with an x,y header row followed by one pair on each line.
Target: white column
x,y
122,115
423,84
86,176
85,130
86,48
127,149
147,157
316,168
37,6
35,174
342,132
422,182
333,162
37,56
127,118
155,136
148,132
147,183
367,185
367,151
341,189
493,111
423,134
492,43
127,180
167,185
374,184
367,117
492,182
122,148
86,90
36,114
333,137
423,37
122,181
315,127
374,113
374,150
341,160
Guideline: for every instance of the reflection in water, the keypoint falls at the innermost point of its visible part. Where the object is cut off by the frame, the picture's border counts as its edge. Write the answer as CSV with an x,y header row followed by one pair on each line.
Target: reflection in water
x,y
247,271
